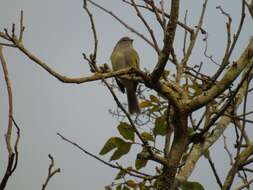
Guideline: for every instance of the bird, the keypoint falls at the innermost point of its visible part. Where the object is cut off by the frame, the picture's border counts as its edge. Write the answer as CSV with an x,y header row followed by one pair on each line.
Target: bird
x,y
125,56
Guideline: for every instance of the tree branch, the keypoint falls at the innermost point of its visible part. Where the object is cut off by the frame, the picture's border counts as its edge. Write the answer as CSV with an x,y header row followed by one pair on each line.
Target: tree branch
x,y
131,171
123,23
199,148
12,159
242,157
168,41
51,172
233,72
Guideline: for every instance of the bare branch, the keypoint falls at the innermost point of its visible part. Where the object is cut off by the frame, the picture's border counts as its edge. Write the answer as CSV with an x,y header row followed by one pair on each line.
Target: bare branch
x,y
191,45
245,185
16,146
122,22
8,85
229,77
94,55
199,148
51,172
214,171
147,26
241,158
131,171
65,79
22,27
168,41
250,8
11,155
228,53
161,11
155,10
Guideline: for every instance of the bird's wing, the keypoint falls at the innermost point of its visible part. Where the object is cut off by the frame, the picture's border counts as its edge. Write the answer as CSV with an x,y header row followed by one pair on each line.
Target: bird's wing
x,y
131,58
135,59
120,85
118,61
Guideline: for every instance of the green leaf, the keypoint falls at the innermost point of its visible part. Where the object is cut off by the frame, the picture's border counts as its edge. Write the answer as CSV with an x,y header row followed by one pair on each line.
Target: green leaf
x,y
141,186
145,104
154,99
147,136
144,187
141,160
140,163
126,131
120,174
109,145
131,183
160,126
192,185
155,108
122,149
119,187
125,188
116,142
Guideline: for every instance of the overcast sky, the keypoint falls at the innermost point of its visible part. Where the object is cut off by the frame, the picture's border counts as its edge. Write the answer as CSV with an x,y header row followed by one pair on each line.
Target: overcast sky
x,y
58,32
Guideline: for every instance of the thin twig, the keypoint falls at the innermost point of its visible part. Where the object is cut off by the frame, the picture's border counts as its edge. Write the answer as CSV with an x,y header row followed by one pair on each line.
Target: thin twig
x,y
22,27
226,104
51,172
155,11
227,150
169,36
185,59
150,30
245,185
130,171
210,57
94,55
214,171
122,22
228,53
161,11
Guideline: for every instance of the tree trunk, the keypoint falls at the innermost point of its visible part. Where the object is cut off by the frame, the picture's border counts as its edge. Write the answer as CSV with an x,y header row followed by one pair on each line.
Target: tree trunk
x,y
179,145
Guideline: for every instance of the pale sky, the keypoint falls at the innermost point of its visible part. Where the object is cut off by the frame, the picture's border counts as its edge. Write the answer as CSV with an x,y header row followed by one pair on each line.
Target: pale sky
x,y
58,32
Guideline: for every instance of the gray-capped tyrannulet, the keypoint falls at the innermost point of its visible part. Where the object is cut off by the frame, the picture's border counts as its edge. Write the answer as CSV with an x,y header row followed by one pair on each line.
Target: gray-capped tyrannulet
x,y
125,56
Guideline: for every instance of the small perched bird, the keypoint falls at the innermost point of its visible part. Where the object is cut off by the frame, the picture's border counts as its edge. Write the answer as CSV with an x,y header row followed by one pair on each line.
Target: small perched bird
x,y
125,56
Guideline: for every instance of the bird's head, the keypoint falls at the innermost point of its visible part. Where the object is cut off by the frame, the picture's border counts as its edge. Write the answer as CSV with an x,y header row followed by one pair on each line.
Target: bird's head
x,y
125,41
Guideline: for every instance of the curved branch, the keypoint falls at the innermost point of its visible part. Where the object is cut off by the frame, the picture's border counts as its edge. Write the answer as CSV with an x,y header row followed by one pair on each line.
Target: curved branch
x,y
11,154
65,79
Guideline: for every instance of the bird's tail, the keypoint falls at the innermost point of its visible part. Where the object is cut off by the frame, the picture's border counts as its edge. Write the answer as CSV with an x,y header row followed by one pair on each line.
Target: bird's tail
x,y
133,105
